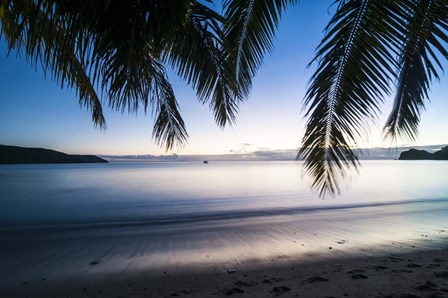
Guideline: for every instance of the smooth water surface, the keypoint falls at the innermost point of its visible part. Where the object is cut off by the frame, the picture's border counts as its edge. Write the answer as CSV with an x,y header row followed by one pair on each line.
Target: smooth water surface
x,y
134,192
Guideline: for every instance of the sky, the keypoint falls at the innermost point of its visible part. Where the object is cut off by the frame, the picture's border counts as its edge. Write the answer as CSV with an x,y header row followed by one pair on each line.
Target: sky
x,y
36,112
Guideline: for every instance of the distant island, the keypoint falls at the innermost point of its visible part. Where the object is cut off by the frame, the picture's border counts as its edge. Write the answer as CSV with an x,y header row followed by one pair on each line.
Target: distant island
x,y
22,155
414,154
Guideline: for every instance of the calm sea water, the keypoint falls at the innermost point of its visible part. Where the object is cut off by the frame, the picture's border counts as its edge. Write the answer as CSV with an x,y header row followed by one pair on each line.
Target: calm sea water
x,y
163,192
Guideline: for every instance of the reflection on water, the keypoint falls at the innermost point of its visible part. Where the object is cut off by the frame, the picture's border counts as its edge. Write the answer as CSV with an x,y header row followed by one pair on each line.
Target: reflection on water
x,y
58,219
129,191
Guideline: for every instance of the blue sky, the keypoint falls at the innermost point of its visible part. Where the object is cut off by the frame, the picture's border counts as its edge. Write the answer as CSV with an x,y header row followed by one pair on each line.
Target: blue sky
x,y
35,112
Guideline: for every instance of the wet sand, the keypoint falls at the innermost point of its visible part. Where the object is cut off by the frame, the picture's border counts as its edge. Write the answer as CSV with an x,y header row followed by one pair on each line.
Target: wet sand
x,y
419,274
389,250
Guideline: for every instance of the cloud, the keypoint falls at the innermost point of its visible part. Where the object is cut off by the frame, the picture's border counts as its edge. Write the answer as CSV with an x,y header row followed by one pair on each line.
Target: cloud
x,y
275,154
242,148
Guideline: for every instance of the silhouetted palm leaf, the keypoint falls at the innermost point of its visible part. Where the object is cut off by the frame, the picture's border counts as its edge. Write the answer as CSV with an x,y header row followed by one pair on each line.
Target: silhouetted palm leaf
x,y
355,65
250,29
112,47
425,35
169,127
28,28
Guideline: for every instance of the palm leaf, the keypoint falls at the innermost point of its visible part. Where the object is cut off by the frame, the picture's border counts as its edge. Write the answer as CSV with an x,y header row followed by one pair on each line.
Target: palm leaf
x,y
33,29
425,35
250,29
131,72
113,47
169,127
355,66
197,53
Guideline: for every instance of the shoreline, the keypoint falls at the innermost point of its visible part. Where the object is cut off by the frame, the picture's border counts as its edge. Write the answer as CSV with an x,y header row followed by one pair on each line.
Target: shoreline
x,y
417,274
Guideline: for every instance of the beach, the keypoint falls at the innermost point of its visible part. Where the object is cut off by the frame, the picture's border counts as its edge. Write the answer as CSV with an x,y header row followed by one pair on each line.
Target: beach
x,y
72,238
419,274
373,251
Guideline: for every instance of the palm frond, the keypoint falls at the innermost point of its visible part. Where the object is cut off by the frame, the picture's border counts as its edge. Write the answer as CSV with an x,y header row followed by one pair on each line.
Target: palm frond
x,y
131,72
250,29
198,55
33,29
112,45
355,66
425,35
169,127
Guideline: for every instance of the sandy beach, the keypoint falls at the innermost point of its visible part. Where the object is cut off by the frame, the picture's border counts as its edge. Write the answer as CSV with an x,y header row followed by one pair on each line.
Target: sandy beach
x,y
393,250
418,274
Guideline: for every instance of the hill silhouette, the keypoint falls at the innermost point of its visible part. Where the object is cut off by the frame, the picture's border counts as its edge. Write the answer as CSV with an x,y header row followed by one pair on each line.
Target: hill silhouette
x,y
414,154
23,155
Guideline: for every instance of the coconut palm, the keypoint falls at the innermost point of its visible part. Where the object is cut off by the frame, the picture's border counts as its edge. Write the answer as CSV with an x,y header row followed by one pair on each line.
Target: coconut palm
x,y
119,50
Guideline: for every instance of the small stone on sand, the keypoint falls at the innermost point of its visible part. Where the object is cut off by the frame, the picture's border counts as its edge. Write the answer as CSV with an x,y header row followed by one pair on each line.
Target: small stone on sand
x,y
93,263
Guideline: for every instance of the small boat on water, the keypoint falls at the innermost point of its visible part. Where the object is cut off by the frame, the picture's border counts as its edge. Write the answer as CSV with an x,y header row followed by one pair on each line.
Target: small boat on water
x,y
205,161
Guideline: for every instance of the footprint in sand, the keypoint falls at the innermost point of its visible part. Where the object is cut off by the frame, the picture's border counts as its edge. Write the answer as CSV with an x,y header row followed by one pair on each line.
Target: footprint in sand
x,y
441,274
280,290
241,283
183,292
400,295
315,279
269,280
230,292
401,271
359,276
413,265
395,259
355,271
427,286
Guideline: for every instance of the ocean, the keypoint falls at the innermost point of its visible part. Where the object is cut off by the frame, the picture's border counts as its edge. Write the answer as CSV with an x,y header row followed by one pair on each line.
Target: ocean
x,y
134,192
